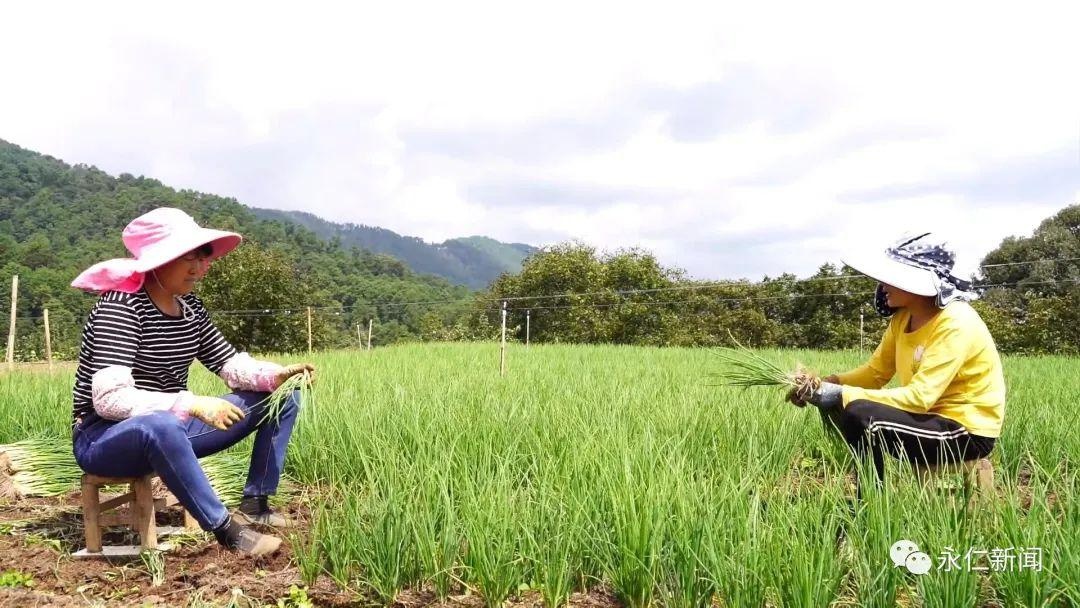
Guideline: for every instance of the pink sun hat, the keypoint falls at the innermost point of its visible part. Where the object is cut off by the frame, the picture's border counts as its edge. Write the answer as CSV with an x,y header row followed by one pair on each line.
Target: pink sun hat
x,y
154,238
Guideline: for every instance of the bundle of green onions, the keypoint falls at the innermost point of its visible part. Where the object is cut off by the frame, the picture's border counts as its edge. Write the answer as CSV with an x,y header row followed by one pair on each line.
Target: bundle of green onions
x,y
227,472
747,368
38,466
45,466
277,399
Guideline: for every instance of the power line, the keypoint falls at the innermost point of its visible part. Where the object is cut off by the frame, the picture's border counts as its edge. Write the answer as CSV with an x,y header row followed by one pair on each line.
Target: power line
x,y
537,297
699,301
273,312
261,312
1029,262
303,309
609,293
790,296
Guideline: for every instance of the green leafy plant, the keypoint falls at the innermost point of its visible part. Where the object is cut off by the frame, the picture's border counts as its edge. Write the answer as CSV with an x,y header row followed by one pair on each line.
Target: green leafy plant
x,y
297,598
15,578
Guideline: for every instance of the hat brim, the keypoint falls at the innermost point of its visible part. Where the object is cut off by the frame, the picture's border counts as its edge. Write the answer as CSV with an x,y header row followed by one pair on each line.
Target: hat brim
x,y
127,274
167,251
884,269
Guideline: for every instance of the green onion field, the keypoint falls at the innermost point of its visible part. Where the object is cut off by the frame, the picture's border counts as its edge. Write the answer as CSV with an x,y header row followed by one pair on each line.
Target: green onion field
x,y
628,468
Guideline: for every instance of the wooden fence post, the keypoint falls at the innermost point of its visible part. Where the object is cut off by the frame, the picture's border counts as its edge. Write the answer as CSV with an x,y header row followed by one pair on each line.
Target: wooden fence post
x,y
48,341
502,350
11,328
861,334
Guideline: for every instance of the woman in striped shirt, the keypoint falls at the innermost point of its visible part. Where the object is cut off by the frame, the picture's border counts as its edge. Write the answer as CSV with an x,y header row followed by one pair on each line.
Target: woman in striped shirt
x,y
132,411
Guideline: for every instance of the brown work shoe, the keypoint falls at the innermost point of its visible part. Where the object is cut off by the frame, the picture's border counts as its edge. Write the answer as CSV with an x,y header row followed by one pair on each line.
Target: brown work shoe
x,y
266,518
256,510
254,543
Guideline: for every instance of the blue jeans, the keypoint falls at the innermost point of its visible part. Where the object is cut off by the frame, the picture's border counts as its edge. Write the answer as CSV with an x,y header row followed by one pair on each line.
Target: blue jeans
x,y
161,443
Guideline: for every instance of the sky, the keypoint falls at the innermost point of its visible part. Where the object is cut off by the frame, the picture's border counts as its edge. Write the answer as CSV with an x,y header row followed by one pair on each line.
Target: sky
x,y
730,139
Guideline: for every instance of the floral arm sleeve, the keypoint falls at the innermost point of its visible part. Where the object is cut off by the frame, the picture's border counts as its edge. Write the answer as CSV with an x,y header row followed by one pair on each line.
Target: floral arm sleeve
x,y
244,373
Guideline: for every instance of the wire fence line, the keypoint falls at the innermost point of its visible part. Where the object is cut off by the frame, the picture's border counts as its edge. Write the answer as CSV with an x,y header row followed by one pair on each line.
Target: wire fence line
x,y
617,292
496,301
523,312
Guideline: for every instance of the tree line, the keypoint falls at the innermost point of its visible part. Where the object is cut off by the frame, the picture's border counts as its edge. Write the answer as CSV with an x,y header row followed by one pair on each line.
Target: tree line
x,y
1030,299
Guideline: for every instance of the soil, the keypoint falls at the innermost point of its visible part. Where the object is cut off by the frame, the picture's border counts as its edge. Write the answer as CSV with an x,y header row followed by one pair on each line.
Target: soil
x,y
37,537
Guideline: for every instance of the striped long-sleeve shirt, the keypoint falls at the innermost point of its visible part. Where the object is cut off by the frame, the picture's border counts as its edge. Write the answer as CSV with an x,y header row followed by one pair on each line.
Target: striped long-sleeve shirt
x,y
128,331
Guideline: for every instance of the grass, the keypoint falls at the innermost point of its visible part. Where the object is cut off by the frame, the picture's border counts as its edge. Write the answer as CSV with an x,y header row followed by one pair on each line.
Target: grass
x,y
621,467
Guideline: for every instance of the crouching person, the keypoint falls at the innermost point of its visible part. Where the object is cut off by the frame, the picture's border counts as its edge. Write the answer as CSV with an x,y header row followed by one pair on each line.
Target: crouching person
x,y
950,402
133,414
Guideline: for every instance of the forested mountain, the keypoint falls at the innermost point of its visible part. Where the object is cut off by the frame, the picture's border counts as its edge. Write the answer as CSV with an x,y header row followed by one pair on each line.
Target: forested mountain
x,y
56,219
473,261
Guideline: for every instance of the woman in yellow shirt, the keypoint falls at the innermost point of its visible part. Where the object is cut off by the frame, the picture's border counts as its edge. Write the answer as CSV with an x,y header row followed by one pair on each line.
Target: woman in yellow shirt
x,y
950,401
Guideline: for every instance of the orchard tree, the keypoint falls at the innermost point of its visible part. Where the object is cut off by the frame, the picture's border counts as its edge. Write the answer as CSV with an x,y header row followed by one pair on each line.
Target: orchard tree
x,y
254,279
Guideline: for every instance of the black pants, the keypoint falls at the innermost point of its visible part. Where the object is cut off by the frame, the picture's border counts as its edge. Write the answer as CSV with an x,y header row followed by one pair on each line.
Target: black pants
x,y
923,439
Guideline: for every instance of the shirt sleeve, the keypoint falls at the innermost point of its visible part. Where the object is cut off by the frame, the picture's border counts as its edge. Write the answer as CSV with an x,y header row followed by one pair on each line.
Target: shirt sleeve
x,y
214,349
946,352
881,367
116,333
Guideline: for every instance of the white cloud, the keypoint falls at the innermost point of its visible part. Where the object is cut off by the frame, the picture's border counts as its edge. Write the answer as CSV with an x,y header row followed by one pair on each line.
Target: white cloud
x,y
731,141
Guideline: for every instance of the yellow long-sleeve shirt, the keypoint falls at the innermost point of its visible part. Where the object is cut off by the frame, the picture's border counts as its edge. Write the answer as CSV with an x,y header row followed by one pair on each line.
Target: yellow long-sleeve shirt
x,y
949,367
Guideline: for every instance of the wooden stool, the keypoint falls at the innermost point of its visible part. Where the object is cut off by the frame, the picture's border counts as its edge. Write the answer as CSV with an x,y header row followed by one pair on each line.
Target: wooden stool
x,y
977,473
140,497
